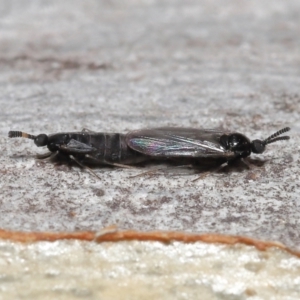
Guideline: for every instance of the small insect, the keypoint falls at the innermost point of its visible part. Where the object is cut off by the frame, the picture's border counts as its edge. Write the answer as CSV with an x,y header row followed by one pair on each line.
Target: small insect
x,y
214,146
86,147
208,146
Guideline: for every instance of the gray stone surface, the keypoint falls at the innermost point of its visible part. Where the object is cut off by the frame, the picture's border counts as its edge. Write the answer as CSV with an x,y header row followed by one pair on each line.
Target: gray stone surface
x,y
114,67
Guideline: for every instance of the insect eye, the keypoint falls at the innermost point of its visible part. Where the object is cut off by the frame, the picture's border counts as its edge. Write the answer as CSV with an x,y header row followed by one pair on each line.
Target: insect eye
x,y
41,140
257,146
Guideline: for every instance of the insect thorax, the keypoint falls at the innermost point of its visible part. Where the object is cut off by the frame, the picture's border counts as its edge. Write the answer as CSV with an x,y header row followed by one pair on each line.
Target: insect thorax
x,y
237,143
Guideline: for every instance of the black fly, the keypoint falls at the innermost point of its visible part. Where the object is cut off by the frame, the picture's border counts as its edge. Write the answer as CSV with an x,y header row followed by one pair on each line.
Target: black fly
x,y
167,143
205,144
86,147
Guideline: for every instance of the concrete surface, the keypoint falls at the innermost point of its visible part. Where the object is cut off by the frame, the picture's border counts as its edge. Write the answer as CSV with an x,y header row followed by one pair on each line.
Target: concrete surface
x,y
114,67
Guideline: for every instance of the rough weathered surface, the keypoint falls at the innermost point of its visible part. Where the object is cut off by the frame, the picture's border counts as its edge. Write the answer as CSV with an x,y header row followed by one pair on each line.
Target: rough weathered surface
x,y
111,66
146,270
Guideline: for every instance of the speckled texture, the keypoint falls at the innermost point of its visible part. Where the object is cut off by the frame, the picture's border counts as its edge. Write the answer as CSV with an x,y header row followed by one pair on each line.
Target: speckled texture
x,y
146,270
111,66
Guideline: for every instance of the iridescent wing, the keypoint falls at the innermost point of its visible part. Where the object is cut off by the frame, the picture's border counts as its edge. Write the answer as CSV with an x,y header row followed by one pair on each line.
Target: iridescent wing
x,y
178,142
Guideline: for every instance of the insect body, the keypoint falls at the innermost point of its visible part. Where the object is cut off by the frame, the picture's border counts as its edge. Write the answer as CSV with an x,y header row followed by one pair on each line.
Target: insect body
x,y
205,144
166,143
102,148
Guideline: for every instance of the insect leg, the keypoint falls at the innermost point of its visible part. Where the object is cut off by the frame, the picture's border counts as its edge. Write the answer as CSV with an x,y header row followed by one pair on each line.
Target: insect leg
x,y
203,175
45,155
121,165
168,168
240,161
248,165
83,166
110,163
228,163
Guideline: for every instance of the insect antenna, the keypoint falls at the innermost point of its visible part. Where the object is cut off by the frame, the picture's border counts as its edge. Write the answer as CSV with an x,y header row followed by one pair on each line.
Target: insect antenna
x,y
40,140
16,134
275,137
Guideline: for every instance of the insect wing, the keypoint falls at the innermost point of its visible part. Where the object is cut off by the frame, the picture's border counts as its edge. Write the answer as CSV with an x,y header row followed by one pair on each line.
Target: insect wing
x,y
178,142
77,147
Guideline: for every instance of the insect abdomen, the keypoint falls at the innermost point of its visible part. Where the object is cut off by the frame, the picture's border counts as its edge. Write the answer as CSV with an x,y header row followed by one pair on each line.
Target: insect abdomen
x,y
113,148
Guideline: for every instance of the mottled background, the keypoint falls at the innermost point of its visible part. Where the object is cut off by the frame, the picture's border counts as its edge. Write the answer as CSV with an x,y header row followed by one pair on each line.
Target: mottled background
x,y
116,66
